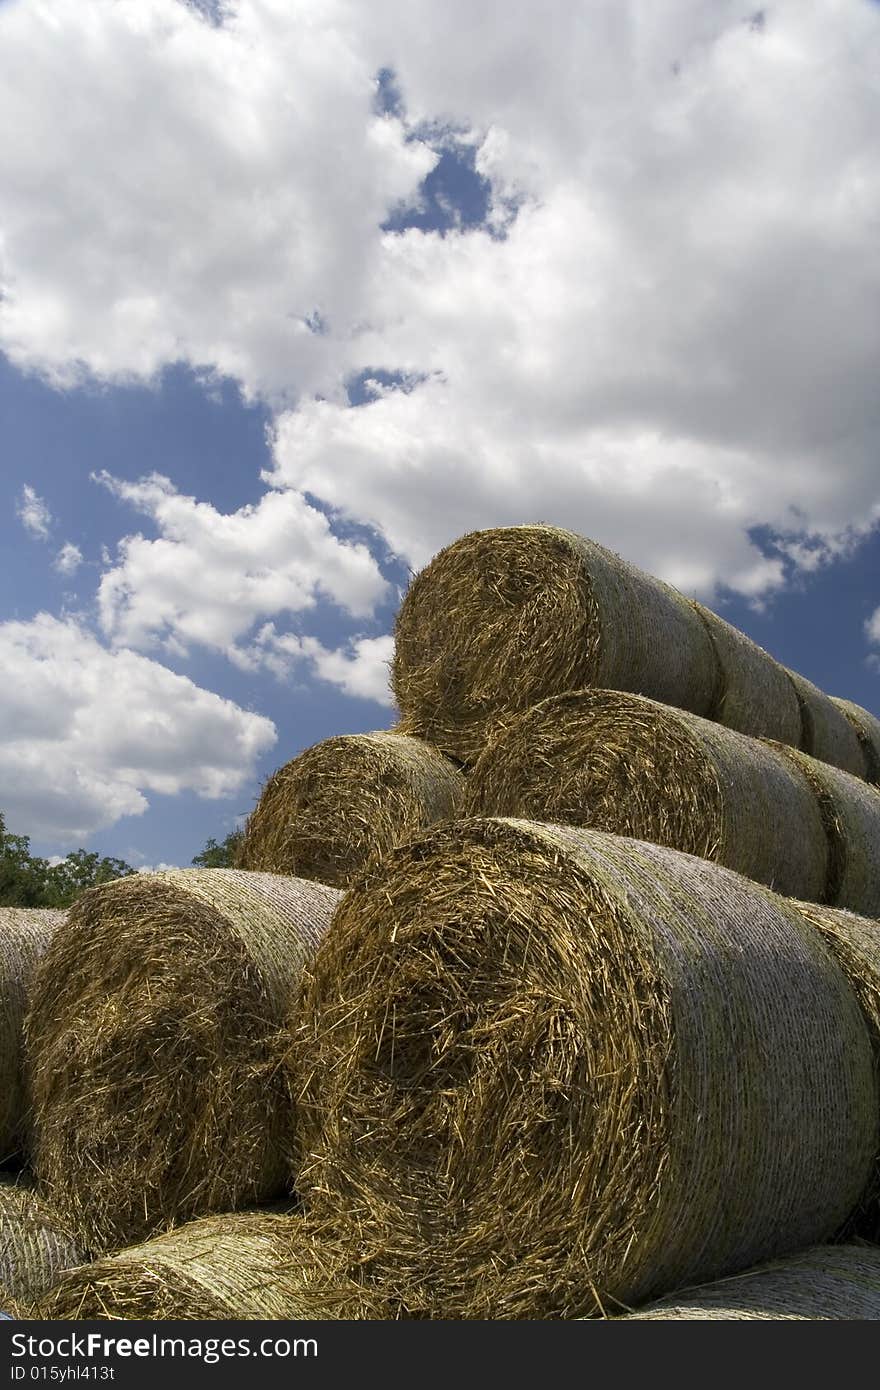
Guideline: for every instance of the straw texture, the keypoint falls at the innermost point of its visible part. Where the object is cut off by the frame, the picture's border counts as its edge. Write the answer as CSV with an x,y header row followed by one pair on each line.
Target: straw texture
x,y
155,1041
831,1281
827,732
756,694
632,766
326,813
505,617
25,933
867,727
850,810
250,1265
35,1245
543,1071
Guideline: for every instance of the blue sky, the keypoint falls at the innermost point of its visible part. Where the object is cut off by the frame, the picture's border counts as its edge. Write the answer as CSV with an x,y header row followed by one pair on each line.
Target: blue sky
x,y
292,296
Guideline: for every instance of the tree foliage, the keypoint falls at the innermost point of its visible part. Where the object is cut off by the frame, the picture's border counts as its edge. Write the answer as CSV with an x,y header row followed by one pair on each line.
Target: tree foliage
x,y
26,880
222,855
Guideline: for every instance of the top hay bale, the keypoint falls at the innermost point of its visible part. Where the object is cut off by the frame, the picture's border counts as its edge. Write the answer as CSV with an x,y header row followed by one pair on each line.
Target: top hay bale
x,y
326,813
867,728
506,617
25,933
831,1281
155,1044
548,1072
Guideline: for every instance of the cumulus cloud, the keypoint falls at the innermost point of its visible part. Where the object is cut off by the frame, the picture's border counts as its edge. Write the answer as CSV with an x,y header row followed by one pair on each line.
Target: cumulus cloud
x,y
33,513
68,559
210,576
360,669
87,733
872,628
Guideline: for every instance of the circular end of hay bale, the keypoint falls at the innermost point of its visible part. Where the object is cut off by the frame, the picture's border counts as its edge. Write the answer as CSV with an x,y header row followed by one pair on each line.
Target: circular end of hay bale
x,y
25,933
35,1245
251,1265
154,1044
542,1072
347,800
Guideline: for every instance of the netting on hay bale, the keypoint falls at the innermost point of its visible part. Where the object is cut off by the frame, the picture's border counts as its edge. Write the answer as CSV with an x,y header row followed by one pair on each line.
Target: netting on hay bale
x,y
632,766
830,1281
543,1071
330,810
25,933
155,1044
504,618
35,1245
250,1265
867,728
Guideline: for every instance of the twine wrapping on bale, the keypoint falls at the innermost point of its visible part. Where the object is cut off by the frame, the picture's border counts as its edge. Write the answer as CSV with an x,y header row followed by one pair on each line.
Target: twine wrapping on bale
x,y
25,933
827,733
756,696
630,765
154,1042
251,1265
326,813
503,618
850,810
831,1281
867,727
35,1245
547,1072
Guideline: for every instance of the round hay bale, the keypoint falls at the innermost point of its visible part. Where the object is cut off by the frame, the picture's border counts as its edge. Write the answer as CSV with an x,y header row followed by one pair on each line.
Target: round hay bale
x,y
827,732
756,695
25,933
503,618
831,1281
850,810
155,1044
250,1265
543,1071
13,1308
35,1245
326,813
867,727
626,764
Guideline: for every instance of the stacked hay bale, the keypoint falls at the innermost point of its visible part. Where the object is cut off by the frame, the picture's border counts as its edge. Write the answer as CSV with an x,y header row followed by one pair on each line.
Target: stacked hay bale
x,y
504,618
629,765
25,934
549,1072
155,1041
330,810
35,1245
251,1265
841,1282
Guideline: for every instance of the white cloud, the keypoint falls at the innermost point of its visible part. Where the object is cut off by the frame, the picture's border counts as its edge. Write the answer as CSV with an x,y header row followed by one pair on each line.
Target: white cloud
x,y
210,576
675,341
361,669
68,559
872,628
86,733
33,513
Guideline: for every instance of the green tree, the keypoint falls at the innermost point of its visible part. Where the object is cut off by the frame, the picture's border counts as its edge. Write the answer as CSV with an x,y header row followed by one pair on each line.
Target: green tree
x,y
26,880
220,856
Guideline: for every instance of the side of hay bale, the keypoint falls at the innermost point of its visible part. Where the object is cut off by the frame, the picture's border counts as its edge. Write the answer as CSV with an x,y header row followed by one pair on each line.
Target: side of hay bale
x,y
327,812
505,617
25,933
547,1072
35,1244
155,1044
867,729
831,1281
850,809
629,765
827,732
756,694
250,1265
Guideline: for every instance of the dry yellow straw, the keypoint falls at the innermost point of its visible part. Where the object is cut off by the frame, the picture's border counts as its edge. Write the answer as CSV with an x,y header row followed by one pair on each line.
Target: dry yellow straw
x,y
831,1281
326,813
543,1071
245,1265
35,1246
155,1044
25,933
